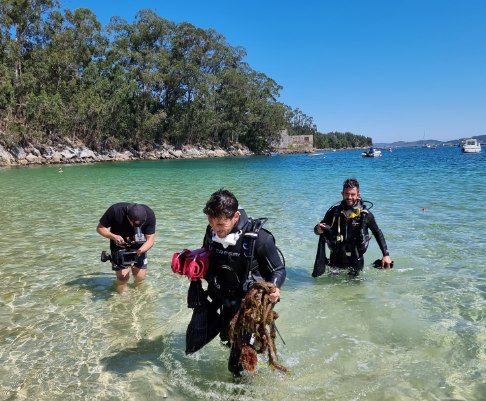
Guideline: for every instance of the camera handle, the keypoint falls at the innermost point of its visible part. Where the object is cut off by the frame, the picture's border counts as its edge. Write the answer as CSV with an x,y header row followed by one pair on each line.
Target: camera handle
x,y
105,256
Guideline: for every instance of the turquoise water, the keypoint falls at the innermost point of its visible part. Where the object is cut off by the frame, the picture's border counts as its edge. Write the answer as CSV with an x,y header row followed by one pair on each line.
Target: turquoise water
x,y
414,332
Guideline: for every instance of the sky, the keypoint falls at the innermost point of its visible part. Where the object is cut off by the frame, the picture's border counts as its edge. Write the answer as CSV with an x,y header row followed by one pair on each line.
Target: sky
x,y
391,70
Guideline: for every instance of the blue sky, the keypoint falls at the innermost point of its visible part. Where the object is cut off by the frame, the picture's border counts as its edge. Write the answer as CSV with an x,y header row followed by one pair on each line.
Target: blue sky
x,y
392,70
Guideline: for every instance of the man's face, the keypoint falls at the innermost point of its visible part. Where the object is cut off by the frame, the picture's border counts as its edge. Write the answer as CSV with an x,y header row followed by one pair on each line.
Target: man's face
x,y
223,225
350,196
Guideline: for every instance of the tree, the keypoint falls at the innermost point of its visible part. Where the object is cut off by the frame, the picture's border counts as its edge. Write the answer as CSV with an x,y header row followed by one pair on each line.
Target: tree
x,y
136,85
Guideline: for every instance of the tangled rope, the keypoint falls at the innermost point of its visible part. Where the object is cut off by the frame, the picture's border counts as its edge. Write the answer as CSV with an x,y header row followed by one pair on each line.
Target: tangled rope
x,y
252,330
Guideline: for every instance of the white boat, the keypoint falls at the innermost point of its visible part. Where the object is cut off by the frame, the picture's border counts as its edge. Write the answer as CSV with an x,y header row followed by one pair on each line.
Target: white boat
x,y
371,152
471,146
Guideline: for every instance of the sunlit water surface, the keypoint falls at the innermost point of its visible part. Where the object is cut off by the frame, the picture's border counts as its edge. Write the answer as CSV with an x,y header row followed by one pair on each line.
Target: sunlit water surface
x,y
416,332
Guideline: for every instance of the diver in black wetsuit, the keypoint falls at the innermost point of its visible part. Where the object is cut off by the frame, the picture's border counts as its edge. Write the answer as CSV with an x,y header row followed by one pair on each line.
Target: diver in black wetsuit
x,y
242,252
344,229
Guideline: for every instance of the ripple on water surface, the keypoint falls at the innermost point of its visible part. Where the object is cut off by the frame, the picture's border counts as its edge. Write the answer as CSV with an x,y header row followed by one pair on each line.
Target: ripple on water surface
x,y
415,332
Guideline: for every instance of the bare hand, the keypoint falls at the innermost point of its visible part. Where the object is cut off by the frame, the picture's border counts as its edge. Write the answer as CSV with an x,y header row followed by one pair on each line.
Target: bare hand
x,y
118,240
274,296
321,227
386,262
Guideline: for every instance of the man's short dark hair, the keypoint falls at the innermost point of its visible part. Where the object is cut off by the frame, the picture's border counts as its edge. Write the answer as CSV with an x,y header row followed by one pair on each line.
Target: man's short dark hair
x,y
137,213
351,183
221,203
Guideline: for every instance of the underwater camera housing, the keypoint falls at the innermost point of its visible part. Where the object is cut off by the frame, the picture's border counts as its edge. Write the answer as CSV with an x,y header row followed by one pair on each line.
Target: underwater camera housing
x,y
126,255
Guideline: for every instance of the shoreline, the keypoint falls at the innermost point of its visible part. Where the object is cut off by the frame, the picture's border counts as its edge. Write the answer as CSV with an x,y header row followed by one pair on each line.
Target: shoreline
x,y
78,153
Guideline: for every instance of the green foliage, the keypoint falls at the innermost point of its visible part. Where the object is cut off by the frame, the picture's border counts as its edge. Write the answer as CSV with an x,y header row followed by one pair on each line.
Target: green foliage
x,y
340,140
131,85
299,123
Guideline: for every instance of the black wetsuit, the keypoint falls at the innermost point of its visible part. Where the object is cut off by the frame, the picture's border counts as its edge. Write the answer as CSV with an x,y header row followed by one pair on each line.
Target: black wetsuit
x,y
229,278
347,238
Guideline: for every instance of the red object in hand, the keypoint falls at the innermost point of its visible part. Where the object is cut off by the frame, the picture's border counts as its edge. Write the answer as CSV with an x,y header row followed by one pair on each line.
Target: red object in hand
x,y
193,264
178,260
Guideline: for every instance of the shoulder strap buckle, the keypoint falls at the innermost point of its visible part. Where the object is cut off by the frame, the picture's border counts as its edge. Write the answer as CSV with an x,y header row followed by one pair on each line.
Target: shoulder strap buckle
x,y
251,235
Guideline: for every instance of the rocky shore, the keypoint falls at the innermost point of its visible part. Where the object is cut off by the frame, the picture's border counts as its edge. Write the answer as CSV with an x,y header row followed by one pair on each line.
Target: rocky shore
x,y
76,152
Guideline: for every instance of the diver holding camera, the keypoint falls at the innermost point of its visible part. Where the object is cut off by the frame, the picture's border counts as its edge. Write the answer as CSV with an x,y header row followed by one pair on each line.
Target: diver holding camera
x,y
130,227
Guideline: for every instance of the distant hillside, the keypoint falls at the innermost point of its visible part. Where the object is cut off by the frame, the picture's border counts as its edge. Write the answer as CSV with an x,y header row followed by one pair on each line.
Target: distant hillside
x,y
433,142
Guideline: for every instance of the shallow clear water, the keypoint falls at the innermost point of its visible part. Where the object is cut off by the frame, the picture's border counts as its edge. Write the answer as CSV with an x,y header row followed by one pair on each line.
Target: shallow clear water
x,y
415,332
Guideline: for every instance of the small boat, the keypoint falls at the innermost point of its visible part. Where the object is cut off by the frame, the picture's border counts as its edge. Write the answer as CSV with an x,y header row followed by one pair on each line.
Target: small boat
x,y
371,152
471,146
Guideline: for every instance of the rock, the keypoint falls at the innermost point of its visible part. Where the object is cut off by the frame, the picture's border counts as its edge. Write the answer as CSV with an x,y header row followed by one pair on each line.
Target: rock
x,y
164,155
5,157
127,155
68,153
219,153
151,155
189,151
76,152
18,152
56,157
112,154
86,154
33,158
176,153
47,152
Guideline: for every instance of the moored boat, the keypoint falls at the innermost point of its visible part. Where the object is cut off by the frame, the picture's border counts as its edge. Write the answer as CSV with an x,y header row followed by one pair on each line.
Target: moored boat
x,y
371,152
471,145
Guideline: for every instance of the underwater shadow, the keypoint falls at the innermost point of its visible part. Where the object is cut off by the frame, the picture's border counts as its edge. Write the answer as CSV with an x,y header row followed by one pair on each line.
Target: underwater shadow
x,y
147,352
99,284
299,277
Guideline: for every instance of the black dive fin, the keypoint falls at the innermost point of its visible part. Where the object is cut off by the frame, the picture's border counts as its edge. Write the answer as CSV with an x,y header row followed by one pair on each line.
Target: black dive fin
x,y
321,259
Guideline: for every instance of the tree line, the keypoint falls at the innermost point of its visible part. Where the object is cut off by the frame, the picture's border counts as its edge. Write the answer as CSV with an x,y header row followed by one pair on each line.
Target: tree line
x,y
130,84
301,124
341,140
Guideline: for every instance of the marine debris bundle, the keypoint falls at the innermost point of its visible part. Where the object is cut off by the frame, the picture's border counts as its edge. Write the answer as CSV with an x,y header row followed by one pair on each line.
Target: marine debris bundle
x,y
252,330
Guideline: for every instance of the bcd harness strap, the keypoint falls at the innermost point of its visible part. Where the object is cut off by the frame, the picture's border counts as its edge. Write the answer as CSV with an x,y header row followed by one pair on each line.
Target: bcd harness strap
x,y
340,237
248,249
249,242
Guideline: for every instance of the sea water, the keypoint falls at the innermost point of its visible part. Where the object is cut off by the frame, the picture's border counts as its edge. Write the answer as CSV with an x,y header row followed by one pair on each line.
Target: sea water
x,y
414,332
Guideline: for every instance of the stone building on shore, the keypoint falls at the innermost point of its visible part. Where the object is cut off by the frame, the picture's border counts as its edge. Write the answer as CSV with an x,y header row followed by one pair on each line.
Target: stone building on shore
x,y
295,143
